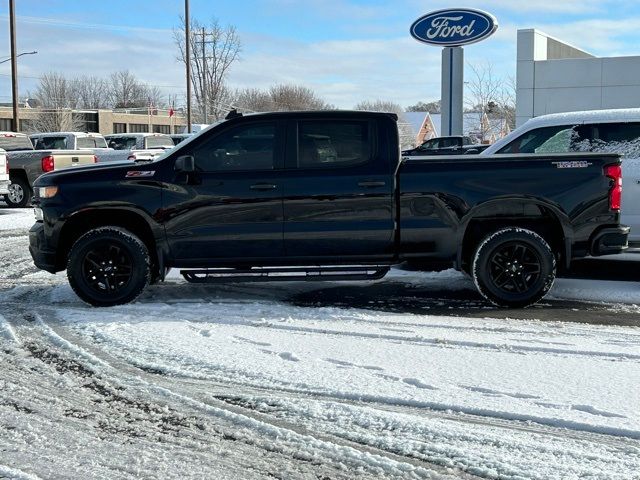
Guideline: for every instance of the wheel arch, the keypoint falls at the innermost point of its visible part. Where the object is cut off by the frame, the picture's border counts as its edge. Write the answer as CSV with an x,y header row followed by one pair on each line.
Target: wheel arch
x,y
543,218
85,220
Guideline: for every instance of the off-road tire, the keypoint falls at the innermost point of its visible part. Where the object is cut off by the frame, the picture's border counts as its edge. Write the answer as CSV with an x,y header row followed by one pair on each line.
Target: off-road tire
x,y
514,267
91,262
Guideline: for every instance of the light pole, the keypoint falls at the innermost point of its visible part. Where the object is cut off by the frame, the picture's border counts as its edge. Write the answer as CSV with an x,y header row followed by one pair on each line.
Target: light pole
x,y
19,55
14,63
187,36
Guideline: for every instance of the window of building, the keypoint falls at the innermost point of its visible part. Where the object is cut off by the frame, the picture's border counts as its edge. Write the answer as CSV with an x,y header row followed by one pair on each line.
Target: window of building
x,y
138,128
119,128
330,143
6,124
249,147
162,129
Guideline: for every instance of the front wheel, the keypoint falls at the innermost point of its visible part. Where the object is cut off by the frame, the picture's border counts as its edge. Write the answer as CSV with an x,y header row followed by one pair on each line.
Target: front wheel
x,y
108,266
514,267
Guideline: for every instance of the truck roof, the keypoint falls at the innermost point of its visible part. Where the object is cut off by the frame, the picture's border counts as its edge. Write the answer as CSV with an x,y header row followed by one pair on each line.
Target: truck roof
x,y
321,113
57,134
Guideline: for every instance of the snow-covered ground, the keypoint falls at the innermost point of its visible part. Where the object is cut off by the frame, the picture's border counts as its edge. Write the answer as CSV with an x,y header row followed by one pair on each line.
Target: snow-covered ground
x,y
270,381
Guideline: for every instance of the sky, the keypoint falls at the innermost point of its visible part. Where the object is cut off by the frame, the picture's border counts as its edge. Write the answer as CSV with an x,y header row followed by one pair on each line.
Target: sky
x,y
347,51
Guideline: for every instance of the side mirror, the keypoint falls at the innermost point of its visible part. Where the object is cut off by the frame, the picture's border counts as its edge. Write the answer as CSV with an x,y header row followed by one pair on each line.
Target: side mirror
x,y
185,163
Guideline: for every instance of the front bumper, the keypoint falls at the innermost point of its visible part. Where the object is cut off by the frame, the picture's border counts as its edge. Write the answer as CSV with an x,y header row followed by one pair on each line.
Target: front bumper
x,y
610,240
43,257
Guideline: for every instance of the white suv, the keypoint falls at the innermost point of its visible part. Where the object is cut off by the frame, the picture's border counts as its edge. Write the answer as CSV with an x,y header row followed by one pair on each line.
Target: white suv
x,y
4,173
610,131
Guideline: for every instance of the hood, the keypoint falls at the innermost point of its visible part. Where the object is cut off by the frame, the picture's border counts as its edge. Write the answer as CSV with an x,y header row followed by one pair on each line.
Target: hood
x,y
95,171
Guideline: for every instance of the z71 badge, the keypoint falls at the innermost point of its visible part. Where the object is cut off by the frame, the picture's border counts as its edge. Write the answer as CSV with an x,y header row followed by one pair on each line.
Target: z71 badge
x,y
140,173
574,164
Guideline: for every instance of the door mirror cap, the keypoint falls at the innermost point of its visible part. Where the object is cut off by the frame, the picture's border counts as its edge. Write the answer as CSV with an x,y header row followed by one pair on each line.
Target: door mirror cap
x,y
185,163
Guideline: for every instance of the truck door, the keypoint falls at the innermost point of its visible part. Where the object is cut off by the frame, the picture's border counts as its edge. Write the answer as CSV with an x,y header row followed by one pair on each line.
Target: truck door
x,y
230,208
338,190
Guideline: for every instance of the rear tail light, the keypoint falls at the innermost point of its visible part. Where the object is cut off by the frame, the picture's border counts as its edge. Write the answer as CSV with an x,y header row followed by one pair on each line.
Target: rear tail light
x,y
95,159
6,166
614,172
48,164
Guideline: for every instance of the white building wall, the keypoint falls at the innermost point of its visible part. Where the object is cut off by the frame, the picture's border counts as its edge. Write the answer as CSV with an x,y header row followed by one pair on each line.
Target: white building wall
x,y
554,77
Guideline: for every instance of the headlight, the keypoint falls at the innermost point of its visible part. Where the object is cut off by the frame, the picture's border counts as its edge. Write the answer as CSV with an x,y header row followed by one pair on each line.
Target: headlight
x,y
47,192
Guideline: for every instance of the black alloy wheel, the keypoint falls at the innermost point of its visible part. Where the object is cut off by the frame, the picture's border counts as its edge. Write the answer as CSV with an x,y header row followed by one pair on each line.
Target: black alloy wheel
x,y
108,266
514,267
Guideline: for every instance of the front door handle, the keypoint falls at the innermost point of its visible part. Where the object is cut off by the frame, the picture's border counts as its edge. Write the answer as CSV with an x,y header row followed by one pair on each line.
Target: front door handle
x,y
370,184
263,186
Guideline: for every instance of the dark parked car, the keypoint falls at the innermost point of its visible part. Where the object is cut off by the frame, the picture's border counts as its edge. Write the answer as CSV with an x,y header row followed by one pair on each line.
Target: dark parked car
x,y
451,145
326,196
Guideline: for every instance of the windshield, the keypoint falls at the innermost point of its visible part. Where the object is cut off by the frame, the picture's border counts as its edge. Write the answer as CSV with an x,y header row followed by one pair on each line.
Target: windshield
x,y
11,143
158,142
186,142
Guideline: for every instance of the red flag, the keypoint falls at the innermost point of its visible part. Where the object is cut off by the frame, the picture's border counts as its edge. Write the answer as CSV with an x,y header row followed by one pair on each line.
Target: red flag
x,y
171,112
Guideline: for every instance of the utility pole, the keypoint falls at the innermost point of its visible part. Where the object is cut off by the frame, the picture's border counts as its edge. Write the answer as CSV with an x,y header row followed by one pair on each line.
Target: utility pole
x,y
14,64
187,34
204,74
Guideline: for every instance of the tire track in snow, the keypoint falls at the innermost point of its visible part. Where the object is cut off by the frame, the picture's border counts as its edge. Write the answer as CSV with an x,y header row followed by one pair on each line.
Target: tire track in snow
x,y
327,445
509,421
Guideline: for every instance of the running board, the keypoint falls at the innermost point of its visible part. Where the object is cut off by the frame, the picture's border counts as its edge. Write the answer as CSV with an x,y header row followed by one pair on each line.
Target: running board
x,y
283,274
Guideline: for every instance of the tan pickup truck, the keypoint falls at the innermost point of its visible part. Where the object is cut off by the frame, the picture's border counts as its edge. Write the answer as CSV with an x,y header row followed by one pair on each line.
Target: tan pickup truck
x,y
27,164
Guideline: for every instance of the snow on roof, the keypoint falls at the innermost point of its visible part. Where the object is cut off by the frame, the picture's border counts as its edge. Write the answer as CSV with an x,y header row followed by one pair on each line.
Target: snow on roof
x,y
579,117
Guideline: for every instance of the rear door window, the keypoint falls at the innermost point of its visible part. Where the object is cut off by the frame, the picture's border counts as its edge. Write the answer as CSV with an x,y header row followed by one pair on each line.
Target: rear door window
x,y
331,143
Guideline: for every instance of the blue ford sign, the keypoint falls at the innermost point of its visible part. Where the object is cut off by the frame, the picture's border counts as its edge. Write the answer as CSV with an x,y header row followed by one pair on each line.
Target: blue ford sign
x,y
453,27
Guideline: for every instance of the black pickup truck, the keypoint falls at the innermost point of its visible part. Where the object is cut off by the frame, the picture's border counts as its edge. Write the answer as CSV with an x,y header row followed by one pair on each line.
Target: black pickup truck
x,y
323,196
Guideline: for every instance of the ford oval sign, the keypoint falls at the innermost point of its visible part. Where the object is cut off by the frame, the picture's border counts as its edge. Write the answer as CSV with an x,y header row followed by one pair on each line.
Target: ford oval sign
x,y
454,27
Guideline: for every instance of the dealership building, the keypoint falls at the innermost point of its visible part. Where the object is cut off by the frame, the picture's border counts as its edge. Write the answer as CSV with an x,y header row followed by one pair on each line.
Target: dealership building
x,y
554,76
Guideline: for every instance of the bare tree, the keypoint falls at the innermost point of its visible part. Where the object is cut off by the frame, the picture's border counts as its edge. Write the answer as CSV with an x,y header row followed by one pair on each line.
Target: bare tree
x,y
91,92
279,98
407,135
431,107
56,95
213,50
127,91
253,100
492,98
295,97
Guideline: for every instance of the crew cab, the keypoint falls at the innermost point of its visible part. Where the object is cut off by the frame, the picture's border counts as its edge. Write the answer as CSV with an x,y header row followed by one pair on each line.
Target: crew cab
x,y
323,196
607,131
449,145
27,164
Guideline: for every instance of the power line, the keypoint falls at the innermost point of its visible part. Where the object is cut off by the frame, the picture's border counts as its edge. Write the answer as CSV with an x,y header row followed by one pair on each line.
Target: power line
x,y
82,25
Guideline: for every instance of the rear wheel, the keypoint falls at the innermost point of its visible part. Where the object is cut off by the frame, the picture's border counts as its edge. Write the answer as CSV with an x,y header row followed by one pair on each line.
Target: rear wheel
x,y
514,267
108,266
20,193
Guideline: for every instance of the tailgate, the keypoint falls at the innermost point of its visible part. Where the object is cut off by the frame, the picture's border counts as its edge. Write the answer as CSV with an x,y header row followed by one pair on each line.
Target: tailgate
x,y
65,160
4,176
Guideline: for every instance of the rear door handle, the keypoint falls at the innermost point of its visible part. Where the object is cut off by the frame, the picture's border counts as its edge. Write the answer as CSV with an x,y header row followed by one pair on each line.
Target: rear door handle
x,y
370,184
263,186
